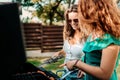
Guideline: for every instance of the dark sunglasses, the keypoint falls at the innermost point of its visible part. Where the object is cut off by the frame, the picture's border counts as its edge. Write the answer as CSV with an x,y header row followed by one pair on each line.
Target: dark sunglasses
x,y
74,20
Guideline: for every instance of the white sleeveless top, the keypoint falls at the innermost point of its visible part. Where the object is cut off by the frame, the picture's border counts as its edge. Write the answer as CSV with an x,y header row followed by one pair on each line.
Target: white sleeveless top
x,y
73,51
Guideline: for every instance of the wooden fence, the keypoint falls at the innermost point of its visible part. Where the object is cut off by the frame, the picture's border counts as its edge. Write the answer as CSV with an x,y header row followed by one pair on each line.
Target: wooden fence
x,y
45,38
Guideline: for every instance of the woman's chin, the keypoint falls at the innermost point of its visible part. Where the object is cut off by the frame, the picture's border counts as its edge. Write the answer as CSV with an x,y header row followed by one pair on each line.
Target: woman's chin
x,y
75,28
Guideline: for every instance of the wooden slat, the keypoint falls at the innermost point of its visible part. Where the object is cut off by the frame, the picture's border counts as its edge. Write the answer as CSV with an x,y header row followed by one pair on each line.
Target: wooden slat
x,y
53,36
51,45
33,38
52,33
31,42
47,40
33,34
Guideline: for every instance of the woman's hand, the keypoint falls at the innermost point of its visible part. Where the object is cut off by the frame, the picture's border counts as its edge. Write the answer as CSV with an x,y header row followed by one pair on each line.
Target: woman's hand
x,y
70,64
80,74
56,54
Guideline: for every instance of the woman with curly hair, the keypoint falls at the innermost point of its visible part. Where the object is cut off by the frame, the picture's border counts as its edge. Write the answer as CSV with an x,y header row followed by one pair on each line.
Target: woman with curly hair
x,y
100,19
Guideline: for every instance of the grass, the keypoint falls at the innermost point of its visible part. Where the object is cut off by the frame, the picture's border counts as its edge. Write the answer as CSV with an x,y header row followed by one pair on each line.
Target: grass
x,y
49,67
118,70
35,62
54,66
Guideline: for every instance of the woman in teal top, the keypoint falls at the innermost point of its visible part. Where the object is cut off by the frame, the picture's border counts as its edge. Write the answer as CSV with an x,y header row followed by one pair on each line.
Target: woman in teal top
x,y
100,19
93,50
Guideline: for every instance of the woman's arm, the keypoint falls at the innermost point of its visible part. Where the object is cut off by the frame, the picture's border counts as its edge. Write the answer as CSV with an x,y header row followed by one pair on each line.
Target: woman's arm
x,y
104,72
61,52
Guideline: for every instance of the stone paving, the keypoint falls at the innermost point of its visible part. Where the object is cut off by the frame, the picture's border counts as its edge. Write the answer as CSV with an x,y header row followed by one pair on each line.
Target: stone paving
x,y
37,53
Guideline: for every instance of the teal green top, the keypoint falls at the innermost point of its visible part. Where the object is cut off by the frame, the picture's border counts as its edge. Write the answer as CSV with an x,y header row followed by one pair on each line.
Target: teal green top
x,y
93,50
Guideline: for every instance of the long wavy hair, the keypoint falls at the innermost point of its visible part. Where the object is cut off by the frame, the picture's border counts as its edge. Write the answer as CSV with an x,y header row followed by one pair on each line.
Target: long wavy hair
x,y
101,15
68,32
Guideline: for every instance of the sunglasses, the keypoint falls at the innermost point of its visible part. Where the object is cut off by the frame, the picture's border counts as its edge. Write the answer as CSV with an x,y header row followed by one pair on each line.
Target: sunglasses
x,y
74,20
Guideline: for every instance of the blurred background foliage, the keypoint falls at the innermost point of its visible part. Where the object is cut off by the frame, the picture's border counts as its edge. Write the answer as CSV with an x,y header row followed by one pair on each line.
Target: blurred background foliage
x,y
49,12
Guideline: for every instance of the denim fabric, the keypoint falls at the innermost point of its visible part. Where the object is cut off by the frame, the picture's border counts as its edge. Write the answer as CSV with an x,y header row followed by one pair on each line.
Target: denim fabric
x,y
72,76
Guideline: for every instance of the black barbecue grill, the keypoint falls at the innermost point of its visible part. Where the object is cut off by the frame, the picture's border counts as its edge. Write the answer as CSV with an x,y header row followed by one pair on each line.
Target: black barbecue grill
x,y
13,60
13,55
30,72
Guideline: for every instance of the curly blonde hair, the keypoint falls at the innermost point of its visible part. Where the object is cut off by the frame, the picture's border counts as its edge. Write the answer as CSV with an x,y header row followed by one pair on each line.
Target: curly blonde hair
x,y
101,15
